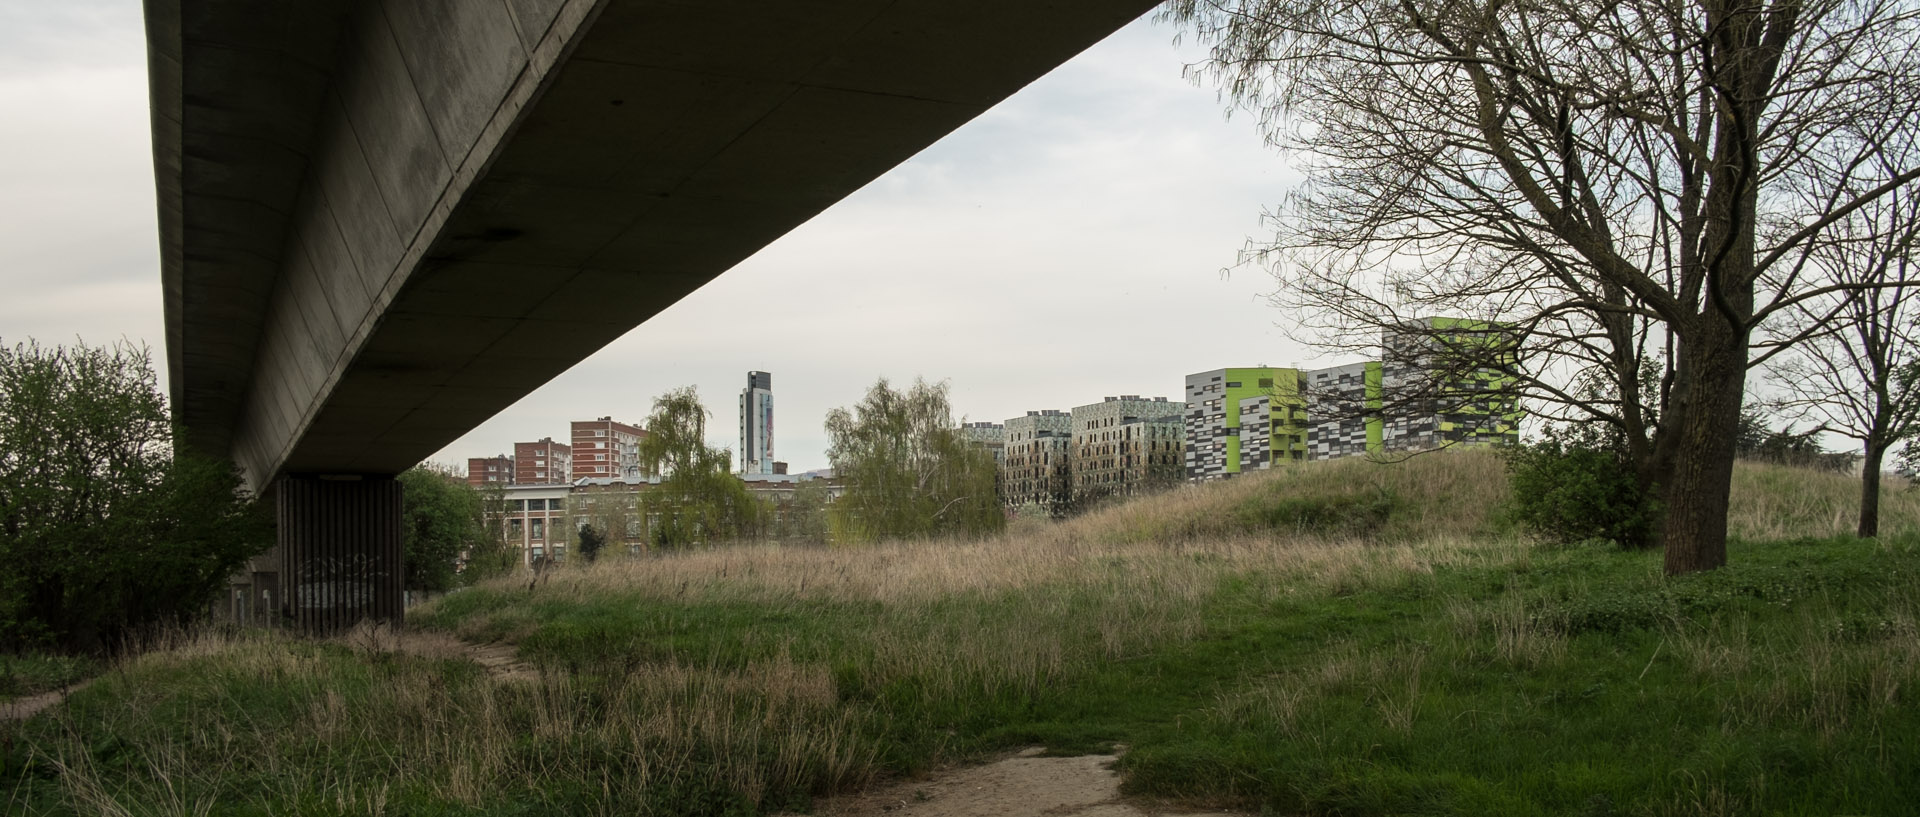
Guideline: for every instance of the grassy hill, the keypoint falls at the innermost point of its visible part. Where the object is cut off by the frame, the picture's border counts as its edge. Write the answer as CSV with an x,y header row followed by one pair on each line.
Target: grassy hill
x,y
1337,638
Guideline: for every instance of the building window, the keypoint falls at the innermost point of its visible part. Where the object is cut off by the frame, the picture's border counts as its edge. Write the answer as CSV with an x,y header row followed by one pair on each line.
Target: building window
x,y
539,528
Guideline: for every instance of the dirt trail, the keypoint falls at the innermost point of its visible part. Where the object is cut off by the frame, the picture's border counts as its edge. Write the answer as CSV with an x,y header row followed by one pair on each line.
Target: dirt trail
x,y
499,660
27,706
1025,785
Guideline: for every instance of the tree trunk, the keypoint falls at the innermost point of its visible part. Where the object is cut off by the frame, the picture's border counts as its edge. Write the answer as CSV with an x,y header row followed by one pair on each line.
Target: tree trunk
x,y
1870,490
1694,529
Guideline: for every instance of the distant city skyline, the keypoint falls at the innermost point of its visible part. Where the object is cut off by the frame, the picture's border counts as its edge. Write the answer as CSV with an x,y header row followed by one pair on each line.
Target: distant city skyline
x,y
1065,246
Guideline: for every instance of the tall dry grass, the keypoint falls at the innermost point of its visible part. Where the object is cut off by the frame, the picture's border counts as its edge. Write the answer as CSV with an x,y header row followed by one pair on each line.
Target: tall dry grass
x,y
1176,545
1781,502
365,724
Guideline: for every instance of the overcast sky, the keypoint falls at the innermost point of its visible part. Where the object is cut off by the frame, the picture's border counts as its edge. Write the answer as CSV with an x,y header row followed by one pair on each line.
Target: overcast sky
x,y
1066,246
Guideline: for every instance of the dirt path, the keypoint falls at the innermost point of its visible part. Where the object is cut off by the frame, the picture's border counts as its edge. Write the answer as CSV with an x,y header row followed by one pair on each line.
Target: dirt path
x,y
499,660
1025,785
24,707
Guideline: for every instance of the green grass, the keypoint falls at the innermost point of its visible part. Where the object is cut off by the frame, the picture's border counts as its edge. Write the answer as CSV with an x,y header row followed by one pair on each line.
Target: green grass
x,y
1582,685
1295,676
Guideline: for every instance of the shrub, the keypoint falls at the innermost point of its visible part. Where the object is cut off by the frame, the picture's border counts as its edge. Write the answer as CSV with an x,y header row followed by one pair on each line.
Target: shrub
x,y
1570,493
106,527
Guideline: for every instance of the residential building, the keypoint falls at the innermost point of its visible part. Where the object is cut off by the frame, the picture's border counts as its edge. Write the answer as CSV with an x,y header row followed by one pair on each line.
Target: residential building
x,y
990,436
542,463
1215,423
494,470
605,449
756,424
1121,445
1344,403
1441,382
1273,427
1036,469
535,520
612,506
1448,381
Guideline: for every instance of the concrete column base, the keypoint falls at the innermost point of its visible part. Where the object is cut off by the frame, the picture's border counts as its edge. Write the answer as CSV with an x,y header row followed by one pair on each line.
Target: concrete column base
x,y
340,550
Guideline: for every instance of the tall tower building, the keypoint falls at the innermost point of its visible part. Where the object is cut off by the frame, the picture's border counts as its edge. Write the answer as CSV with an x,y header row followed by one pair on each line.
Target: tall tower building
x,y
756,424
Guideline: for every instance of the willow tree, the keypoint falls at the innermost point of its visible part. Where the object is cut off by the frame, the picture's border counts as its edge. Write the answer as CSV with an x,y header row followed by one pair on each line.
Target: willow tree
x,y
909,473
1620,182
698,500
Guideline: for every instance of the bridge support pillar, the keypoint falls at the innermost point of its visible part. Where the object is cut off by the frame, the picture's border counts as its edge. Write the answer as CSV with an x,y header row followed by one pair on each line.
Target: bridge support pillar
x,y
340,550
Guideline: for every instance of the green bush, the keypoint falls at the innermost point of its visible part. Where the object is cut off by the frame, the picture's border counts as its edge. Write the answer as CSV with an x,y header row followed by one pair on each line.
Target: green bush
x,y
106,527
1570,493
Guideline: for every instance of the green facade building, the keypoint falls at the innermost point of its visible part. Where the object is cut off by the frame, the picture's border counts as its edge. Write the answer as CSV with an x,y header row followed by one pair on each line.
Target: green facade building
x,y
1243,419
1441,382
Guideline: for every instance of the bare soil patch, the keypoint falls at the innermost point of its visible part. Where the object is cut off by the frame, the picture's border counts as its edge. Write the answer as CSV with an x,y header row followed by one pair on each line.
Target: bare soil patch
x,y
1026,785
27,706
499,660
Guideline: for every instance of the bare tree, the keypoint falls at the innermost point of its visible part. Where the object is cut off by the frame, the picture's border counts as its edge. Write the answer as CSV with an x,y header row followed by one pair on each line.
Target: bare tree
x,y
1854,372
1594,176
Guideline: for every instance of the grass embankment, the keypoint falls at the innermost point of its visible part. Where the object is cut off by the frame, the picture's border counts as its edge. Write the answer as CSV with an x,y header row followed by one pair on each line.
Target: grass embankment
x,y
1342,638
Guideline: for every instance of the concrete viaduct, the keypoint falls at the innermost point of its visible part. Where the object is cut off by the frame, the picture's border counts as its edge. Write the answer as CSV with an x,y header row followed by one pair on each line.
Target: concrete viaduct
x,y
383,221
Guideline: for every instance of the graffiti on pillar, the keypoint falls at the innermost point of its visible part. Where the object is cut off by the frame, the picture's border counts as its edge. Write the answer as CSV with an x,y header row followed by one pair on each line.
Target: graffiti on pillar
x,y
339,582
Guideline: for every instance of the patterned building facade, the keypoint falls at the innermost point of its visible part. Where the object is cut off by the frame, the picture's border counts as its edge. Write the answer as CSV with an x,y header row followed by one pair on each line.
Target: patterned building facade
x,y
1442,382
1035,468
1449,381
1215,425
990,436
1121,445
1343,403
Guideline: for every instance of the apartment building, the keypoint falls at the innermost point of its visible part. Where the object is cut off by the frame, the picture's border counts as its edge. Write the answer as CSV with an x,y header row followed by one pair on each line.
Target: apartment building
x,y
1440,382
1219,405
1124,444
535,520
605,449
756,424
1036,470
990,436
542,463
494,470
